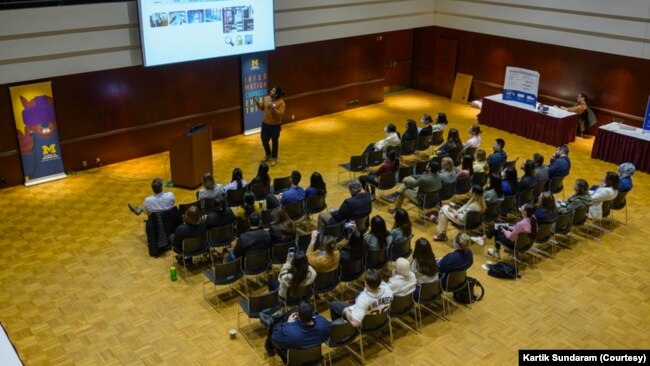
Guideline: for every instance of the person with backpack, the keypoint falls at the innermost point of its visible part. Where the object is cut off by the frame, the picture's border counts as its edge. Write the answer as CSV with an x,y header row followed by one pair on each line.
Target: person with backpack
x,y
507,237
458,260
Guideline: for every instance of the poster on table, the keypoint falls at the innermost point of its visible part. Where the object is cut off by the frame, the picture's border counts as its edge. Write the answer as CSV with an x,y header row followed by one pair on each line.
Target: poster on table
x,y
521,85
646,120
38,135
254,80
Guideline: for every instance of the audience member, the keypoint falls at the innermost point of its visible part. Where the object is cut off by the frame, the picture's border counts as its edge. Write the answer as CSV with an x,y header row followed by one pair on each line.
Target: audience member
x,y
389,166
625,172
509,181
403,280
375,298
480,163
378,238
411,132
494,192
415,187
459,260
607,192
392,139
210,188
317,185
528,180
262,176
507,237
541,170
452,146
354,249
294,194
499,157
560,164
447,173
581,198
282,229
475,138
249,206
254,240
546,210
427,130
358,205
295,273
193,227
158,201
476,203
297,330
424,263
222,215
402,227
324,257
237,181
466,167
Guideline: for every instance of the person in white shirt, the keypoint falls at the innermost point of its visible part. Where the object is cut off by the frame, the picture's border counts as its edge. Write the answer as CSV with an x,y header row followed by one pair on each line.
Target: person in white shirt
x,y
475,139
210,188
237,181
375,298
403,281
392,139
158,201
607,192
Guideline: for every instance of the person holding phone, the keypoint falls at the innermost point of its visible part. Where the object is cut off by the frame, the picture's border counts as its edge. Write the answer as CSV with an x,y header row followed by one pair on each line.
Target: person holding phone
x,y
273,107
295,272
324,257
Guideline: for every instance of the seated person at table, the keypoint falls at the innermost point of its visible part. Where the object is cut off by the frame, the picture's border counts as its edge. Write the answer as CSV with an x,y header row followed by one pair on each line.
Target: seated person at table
x,y
297,330
560,165
606,192
375,298
499,157
324,257
459,260
193,227
476,203
475,139
582,110
403,280
528,180
392,139
157,202
294,194
358,205
546,209
625,172
415,187
509,181
254,240
581,198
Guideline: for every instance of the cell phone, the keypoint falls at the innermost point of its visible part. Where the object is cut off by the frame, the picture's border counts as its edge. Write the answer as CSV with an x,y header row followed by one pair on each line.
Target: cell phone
x,y
292,252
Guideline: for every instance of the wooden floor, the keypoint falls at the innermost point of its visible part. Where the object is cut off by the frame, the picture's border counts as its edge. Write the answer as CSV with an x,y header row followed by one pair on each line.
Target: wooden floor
x,y
78,286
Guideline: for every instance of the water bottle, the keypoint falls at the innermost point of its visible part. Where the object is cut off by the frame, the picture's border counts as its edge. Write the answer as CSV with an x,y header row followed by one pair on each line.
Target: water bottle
x,y
172,273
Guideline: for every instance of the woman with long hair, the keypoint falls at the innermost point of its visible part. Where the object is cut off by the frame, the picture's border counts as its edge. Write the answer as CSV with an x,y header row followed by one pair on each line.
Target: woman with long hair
x,y
581,198
317,185
295,272
262,176
324,257
210,188
452,145
466,167
237,181
494,192
509,182
507,237
476,203
424,263
249,206
378,238
606,192
282,227
528,180
475,140
222,214
402,228
411,132
546,209
354,249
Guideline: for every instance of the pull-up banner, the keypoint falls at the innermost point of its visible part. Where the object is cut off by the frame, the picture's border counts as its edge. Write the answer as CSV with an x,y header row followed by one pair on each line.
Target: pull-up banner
x,y
521,85
646,120
38,136
254,86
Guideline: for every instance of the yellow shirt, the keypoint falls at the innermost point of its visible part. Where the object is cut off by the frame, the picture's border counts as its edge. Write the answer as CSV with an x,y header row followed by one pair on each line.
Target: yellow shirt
x,y
272,115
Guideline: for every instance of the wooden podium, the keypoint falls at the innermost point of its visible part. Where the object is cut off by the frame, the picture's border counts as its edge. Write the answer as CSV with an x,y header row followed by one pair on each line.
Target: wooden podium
x,y
190,155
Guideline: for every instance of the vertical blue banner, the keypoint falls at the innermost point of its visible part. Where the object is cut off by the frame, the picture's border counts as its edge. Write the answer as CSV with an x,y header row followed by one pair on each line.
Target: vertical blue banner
x,y
254,80
646,120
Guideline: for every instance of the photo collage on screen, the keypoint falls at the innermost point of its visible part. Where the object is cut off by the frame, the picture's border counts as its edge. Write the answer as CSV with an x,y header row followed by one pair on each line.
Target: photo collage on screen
x,y
235,19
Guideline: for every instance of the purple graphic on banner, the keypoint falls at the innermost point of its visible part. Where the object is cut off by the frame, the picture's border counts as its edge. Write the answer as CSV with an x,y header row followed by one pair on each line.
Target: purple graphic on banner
x,y
254,86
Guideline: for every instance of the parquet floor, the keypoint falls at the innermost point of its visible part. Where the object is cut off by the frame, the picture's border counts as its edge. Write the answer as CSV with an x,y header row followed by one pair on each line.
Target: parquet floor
x,y
79,288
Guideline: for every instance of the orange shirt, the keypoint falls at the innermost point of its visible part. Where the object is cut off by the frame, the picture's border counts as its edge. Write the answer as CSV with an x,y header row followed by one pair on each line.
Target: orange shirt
x,y
272,116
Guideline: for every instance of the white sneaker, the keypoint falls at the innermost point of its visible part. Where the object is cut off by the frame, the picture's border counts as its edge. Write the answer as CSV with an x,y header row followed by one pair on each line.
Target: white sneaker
x,y
478,240
495,253
486,266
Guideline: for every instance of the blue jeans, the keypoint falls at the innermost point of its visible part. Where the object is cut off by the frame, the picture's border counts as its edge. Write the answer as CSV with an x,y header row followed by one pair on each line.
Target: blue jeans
x,y
272,133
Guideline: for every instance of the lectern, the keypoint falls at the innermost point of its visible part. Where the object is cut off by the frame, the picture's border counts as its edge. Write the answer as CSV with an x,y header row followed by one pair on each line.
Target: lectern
x,y
190,155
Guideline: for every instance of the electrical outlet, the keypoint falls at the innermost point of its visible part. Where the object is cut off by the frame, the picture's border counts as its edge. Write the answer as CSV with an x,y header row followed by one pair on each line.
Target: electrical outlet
x,y
84,163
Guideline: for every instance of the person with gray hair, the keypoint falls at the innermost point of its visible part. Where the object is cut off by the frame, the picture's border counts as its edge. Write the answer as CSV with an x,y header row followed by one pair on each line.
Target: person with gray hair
x,y
357,206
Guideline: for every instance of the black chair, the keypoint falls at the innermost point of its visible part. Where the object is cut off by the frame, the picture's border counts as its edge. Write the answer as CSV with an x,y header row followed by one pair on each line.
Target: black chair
x,y
357,164
302,242
423,143
325,282
279,251
193,247
525,196
404,171
606,210
511,163
400,248
385,183
223,236
350,272
455,281
408,147
376,259
280,185
362,224
544,235
447,191
580,217
373,324
259,190
463,186
342,335
158,227
556,186
312,355
336,230
429,293
563,227
242,225
206,205
539,188
393,148
430,201
256,264
620,202
314,204
235,197
420,167
221,275
401,307
374,158
473,222
492,212
437,138
266,218
253,306
508,205
522,245
302,293
295,210
185,206
479,178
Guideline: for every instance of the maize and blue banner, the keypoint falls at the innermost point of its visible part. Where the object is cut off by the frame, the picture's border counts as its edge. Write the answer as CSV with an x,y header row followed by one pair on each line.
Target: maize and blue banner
x,y
254,87
38,135
646,120
521,85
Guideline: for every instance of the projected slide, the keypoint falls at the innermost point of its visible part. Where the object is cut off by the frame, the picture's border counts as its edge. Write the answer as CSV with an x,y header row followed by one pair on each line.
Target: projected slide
x,y
185,30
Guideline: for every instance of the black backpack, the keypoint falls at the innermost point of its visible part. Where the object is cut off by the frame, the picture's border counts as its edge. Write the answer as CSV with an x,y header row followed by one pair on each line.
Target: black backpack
x,y
503,270
464,296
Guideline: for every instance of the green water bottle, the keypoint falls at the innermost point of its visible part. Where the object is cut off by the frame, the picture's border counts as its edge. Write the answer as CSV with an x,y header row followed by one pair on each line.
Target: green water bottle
x,y
172,273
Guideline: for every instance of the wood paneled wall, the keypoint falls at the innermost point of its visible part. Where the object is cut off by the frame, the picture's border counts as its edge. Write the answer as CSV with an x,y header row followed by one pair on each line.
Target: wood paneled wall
x,y
130,112
617,86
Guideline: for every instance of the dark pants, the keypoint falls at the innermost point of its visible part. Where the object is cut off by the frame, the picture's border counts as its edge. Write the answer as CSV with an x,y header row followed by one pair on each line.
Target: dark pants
x,y
369,179
370,148
499,237
272,201
336,309
271,132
